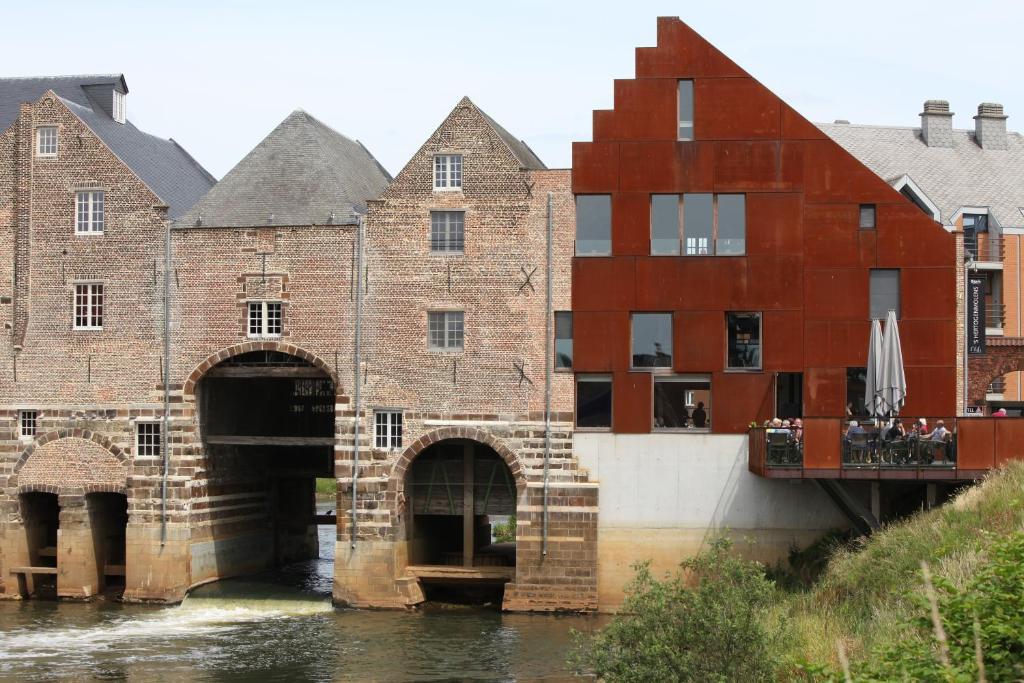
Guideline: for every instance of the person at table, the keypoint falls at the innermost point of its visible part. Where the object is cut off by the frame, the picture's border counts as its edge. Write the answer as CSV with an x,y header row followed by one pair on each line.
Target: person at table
x,y
854,429
999,413
920,427
700,416
798,429
939,433
896,432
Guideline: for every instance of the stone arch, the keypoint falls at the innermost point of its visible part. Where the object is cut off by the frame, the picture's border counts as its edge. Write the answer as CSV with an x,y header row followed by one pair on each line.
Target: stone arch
x,y
189,388
71,460
1002,355
397,480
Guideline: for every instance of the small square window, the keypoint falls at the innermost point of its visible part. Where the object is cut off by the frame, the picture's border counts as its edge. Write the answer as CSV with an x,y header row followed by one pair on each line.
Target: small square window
x,y
593,402
148,439
867,216
265,319
447,232
682,402
46,141
89,213
28,424
448,172
388,429
445,330
88,313
563,340
744,339
652,340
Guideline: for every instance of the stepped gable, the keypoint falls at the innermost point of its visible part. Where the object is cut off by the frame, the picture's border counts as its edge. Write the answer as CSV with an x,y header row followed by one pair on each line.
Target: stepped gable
x,y
303,173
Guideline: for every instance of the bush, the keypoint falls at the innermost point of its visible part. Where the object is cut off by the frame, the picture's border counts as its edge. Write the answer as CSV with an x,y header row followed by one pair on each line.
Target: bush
x,y
505,532
992,602
708,622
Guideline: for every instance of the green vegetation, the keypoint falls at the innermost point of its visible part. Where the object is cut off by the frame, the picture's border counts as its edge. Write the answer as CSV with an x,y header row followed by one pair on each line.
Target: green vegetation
x,y
326,487
505,532
868,603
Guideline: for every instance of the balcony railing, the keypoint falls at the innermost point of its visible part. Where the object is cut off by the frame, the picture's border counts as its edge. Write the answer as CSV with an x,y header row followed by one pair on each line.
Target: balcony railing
x,y
870,450
995,315
985,246
997,387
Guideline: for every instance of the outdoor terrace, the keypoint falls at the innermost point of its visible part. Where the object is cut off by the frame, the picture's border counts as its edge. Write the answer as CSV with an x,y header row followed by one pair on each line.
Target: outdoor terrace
x,y
974,446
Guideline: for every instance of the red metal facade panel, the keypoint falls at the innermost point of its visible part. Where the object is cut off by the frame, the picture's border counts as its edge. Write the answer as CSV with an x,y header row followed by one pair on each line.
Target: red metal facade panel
x,y
806,263
821,443
1009,440
975,445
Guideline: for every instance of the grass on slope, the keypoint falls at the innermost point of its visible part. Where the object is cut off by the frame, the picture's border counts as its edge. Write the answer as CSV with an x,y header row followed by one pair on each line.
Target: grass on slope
x,y
862,596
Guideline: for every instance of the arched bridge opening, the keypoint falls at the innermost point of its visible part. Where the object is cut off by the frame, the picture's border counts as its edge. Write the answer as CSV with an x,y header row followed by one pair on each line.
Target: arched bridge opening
x,y
267,424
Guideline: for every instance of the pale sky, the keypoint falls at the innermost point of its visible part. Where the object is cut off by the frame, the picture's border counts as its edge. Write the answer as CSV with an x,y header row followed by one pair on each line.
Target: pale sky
x,y
218,76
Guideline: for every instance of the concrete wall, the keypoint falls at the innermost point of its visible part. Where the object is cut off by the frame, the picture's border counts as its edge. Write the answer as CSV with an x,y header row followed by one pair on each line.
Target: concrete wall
x,y
665,496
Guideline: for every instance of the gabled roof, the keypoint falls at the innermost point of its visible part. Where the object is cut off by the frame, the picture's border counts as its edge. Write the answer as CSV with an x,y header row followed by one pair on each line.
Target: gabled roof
x,y
302,173
964,175
167,169
520,150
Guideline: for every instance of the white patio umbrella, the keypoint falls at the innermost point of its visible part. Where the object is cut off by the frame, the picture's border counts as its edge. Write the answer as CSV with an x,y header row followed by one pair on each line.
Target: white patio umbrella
x,y
873,382
893,390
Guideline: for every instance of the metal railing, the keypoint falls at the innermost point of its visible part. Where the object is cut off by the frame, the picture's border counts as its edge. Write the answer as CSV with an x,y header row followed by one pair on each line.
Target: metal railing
x,y
995,315
783,448
984,246
997,387
872,451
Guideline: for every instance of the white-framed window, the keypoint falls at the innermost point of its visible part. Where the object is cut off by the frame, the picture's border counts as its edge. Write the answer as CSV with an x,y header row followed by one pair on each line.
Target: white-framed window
x,y
265,319
445,330
448,172
46,141
28,424
88,306
89,215
387,426
148,439
447,231
118,106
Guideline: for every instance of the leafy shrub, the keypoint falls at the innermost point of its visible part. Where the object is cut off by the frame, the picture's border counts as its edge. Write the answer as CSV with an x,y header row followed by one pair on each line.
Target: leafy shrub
x,y
708,622
505,532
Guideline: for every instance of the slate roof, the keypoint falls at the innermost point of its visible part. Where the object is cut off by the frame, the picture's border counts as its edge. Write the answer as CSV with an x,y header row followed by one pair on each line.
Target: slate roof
x,y
964,175
300,174
163,165
519,148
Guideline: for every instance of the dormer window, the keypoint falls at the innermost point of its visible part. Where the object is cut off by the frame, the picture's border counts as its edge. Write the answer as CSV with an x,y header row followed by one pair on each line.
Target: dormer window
x,y
46,141
448,172
118,106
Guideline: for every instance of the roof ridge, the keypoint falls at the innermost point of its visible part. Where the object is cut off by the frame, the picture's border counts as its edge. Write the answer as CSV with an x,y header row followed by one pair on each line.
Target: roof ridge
x,y
52,78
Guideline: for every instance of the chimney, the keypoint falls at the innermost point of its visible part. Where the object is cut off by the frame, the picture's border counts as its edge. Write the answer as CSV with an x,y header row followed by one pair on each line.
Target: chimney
x,y
937,124
990,126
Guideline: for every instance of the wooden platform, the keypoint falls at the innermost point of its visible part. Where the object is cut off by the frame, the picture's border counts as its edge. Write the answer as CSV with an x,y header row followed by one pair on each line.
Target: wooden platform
x,y
34,570
292,441
439,572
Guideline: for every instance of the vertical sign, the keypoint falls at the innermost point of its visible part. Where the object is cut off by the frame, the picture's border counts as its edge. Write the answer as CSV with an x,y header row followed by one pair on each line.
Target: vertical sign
x,y
975,315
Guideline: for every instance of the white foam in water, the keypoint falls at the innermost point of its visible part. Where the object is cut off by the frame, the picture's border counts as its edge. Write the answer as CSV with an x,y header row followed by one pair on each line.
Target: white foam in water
x,y
194,617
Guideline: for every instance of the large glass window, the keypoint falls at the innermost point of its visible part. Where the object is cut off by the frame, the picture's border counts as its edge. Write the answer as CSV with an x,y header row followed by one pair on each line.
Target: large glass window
x,y
885,292
445,330
563,340
685,110
682,402
448,172
447,231
856,389
89,306
732,225
698,223
744,340
593,225
89,213
46,141
789,395
594,401
974,224
664,224
652,340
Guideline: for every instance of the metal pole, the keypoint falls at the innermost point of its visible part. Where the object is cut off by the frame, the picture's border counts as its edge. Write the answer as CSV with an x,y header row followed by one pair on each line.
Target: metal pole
x,y
548,361
355,370
165,432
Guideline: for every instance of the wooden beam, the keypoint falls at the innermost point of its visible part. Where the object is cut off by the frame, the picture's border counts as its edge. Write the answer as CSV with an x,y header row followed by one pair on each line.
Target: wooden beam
x,y
461,573
467,505
257,372
240,440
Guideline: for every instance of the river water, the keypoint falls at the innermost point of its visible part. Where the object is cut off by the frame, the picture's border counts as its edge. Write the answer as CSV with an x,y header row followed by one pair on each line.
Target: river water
x,y
278,626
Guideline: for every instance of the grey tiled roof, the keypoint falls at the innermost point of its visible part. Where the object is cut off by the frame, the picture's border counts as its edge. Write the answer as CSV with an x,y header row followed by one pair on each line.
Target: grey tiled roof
x,y
300,174
964,175
519,148
162,165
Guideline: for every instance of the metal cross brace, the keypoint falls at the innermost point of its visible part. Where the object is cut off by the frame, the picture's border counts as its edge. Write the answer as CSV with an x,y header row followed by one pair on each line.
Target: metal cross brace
x,y
521,368
528,282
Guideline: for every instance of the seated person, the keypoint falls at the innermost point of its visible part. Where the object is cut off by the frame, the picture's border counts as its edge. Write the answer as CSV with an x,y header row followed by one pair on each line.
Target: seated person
x,y
700,416
920,427
940,432
897,431
855,428
798,429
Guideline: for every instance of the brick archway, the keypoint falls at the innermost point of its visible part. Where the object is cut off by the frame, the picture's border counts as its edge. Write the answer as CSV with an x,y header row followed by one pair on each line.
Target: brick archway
x,y
189,388
396,482
1002,355
73,459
